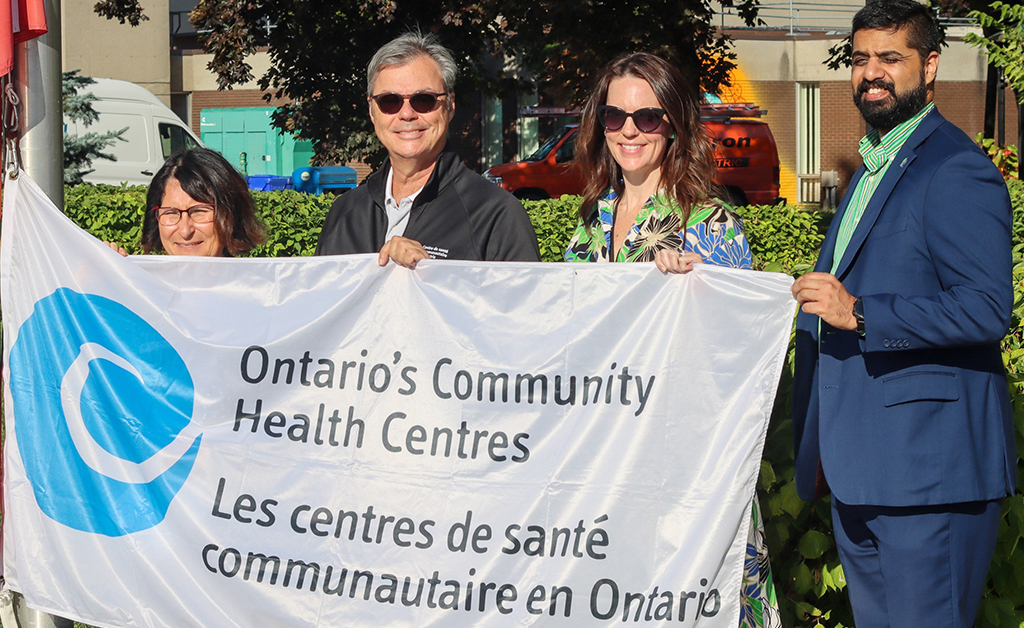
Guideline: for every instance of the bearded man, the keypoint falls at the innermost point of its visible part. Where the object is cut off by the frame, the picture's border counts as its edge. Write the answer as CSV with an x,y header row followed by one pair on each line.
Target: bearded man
x,y
900,401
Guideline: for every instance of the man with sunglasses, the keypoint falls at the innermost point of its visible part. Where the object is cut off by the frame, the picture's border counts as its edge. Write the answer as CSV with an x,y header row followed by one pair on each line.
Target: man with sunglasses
x,y
423,203
900,404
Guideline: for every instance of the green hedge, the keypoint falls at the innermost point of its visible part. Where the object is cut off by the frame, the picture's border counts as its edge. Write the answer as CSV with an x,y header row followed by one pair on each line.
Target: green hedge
x,y
113,213
808,576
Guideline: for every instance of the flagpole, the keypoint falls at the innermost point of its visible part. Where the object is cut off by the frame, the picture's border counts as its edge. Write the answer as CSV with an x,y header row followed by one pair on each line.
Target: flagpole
x,y
37,80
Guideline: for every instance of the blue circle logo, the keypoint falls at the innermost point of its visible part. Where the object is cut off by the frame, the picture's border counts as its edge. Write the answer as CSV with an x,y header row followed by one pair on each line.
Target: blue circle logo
x,y
104,414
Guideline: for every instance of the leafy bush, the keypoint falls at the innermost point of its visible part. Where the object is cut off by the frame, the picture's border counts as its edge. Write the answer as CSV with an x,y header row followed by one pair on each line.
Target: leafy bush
x,y
554,221
1003,604
109,212
809,579
783,238
293,222
808,576
1004,157
113,213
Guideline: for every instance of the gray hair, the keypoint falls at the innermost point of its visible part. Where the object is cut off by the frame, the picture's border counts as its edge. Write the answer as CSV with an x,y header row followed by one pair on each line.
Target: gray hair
x,y
403,49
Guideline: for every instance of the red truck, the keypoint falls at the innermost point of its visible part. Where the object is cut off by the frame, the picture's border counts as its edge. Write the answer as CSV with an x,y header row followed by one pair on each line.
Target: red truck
x,y
745,153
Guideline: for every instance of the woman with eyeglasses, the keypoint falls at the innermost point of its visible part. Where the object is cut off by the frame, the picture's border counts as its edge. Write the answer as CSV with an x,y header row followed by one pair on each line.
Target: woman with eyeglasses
x,y
649,197
199,204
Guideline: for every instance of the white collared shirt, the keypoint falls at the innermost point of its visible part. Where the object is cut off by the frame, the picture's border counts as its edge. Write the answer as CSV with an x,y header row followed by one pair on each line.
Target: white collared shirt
x,y
397,211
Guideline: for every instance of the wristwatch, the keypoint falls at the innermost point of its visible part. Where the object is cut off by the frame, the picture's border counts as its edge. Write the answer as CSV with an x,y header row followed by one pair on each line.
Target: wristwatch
x,y
858,313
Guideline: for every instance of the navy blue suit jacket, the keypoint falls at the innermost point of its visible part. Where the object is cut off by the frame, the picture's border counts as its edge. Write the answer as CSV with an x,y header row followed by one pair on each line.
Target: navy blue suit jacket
x,y
916,412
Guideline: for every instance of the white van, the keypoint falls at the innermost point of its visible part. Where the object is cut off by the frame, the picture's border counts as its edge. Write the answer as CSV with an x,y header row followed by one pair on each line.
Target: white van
x,y
154,132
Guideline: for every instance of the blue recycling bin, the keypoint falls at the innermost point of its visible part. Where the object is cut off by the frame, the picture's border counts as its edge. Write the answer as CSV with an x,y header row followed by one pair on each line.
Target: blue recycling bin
x,y
318,179
268,182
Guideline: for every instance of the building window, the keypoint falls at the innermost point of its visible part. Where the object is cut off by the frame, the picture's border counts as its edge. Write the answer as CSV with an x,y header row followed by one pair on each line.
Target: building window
x,y
528,127
491,130
808,142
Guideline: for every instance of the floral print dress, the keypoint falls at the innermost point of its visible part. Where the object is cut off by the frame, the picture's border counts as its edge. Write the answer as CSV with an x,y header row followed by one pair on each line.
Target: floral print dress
x,y
716,233
713,231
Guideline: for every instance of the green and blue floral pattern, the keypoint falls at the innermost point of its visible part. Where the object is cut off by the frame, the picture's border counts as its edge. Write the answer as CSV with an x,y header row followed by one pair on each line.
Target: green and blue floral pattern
x,y
713,231
759,607
716,233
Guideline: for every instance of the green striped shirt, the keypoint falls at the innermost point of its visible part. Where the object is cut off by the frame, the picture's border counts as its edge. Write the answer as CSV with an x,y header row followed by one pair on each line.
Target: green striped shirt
x,y
877,153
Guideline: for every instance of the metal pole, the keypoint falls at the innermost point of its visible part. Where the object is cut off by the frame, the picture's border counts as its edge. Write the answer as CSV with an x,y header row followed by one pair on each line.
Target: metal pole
x,y
991,85
37,79
1001,111
1020,136
31,618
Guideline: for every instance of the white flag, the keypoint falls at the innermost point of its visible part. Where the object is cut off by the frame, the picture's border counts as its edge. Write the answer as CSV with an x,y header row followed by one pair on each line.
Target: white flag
x,y
324,442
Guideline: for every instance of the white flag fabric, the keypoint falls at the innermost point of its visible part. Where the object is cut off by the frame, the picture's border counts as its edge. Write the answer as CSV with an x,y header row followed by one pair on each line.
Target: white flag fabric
x,y
325,442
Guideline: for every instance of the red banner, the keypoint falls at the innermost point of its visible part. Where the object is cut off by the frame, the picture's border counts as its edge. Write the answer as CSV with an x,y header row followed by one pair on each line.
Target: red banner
x,y
21,20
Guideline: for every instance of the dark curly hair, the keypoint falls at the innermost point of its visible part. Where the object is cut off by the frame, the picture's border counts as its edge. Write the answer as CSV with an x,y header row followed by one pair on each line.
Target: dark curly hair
x,y
208,178
688,170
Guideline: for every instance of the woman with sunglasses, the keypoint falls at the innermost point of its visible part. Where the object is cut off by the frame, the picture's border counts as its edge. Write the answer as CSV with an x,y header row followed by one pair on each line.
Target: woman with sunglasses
x,y
649,193
649,198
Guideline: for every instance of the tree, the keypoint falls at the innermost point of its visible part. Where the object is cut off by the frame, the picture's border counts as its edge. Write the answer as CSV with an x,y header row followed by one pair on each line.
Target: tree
x,y
81,150
122,10
1005,50
319,50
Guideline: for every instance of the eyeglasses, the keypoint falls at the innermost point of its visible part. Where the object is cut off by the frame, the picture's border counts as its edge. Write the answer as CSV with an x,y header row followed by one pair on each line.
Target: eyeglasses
x,y
647,120
421,102
169,216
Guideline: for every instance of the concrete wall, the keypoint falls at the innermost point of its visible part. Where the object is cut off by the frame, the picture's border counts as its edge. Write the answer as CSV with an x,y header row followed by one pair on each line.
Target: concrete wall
x,y
105,48
195,75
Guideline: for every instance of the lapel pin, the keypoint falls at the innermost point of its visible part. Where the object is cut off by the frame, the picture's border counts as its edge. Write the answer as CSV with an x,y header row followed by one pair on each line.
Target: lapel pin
x,y
904,162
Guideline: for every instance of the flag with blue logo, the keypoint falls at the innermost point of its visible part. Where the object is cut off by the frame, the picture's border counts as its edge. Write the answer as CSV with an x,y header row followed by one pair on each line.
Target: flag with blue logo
x,y
325,442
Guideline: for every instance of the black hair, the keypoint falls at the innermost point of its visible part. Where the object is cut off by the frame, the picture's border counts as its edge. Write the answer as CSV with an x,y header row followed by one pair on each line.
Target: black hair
x,y
923,32
207,177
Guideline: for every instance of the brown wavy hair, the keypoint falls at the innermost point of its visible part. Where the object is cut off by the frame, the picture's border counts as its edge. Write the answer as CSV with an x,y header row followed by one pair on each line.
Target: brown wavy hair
x,y
688,169
207,177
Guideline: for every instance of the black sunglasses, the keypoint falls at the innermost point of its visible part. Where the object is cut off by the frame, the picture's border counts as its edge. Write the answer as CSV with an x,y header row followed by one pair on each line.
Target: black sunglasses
x,y
647,120
421,102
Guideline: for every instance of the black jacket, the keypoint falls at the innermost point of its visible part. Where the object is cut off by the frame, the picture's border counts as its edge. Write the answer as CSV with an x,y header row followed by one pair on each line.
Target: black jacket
x,y
458,215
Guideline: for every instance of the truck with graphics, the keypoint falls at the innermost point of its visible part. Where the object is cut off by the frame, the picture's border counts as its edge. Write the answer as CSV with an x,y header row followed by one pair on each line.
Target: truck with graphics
x,y
746,156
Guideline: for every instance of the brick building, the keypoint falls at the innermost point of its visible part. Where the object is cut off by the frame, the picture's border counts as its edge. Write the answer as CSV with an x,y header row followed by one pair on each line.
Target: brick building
x,y
780,68
810,107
